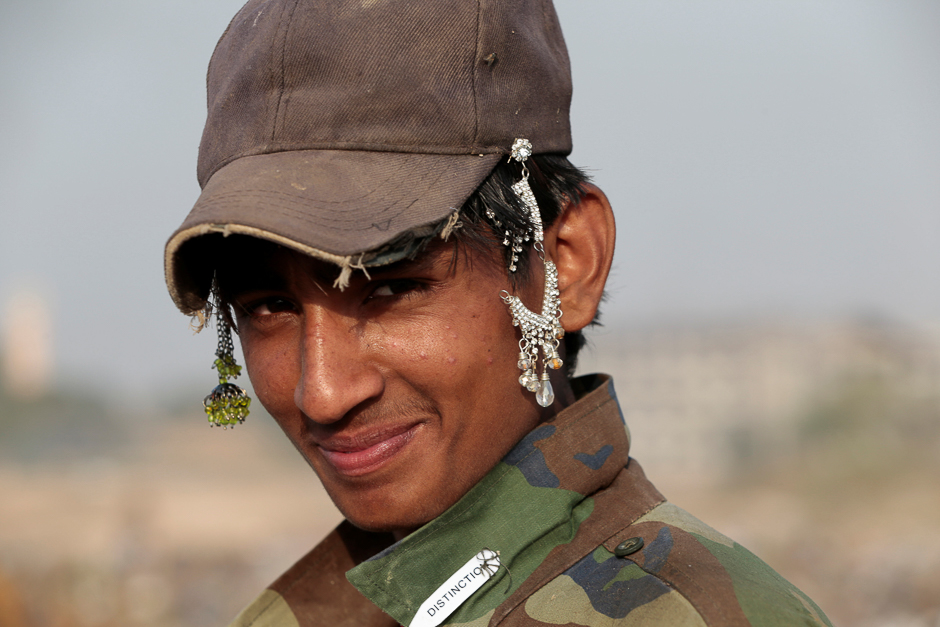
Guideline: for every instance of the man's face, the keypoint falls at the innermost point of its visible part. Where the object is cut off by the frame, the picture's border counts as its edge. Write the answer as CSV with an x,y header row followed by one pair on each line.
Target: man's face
x,y
400,391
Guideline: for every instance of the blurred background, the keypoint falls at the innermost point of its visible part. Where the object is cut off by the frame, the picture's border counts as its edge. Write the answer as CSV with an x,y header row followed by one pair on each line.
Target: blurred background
x,y
773,321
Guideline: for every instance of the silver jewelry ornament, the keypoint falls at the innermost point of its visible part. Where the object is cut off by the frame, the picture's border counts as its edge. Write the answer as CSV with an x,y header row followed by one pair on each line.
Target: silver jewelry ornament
x,y
521,151
541,333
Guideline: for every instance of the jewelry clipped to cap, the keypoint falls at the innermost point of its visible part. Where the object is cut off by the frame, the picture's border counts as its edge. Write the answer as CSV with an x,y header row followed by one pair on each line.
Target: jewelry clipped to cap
x,y
227,405
540,332
522,150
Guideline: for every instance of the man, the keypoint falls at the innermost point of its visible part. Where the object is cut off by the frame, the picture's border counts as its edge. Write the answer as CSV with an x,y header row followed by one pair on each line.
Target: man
x,y
409,283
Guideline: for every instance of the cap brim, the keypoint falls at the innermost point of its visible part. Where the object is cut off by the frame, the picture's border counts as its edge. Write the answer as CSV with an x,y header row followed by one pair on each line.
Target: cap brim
x,y
330,204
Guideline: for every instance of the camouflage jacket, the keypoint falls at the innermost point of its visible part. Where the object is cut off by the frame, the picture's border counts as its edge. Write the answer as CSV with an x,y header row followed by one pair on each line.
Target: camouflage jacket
x,y
582,537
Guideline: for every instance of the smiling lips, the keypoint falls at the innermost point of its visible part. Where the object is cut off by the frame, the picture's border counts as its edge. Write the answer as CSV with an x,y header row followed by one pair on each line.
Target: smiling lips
x,y
363,454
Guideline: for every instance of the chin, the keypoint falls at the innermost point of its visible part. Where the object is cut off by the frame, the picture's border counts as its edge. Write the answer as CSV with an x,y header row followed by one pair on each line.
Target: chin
x,y
398,518
400,527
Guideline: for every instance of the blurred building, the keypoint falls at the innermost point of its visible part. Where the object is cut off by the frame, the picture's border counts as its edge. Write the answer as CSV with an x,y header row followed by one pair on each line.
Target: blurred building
x,y
702,401
26,346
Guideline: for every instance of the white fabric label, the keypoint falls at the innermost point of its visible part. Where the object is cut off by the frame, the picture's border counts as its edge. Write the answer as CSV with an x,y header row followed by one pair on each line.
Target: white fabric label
x,y
453,592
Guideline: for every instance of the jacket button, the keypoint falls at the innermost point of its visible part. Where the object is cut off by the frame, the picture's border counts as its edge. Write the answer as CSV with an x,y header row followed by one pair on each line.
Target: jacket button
x,y
629,546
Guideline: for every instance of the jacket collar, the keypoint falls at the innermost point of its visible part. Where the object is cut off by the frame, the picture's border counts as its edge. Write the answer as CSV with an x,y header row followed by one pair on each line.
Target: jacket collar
x,y
534,500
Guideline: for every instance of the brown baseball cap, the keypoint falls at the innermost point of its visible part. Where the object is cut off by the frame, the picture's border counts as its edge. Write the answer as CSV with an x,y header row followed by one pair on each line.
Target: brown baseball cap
x,y
335,126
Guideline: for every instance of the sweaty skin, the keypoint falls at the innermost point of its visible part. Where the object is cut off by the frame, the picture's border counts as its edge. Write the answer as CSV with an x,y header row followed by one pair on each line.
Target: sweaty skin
x,y
401,390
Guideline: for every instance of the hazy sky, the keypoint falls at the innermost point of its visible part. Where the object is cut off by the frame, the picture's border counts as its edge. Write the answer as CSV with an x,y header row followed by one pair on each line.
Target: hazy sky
x,y
763,158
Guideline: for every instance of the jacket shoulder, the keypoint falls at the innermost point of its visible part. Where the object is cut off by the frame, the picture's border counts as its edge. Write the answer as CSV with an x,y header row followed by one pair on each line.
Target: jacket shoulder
x,y
727,583
669,568
599,591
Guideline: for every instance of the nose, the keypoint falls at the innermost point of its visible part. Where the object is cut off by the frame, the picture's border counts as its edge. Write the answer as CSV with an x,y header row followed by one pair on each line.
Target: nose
x,y
337,372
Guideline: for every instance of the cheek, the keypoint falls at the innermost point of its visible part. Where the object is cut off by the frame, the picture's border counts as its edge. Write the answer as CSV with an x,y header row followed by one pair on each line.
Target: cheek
x,y
429,349
273,373
458,351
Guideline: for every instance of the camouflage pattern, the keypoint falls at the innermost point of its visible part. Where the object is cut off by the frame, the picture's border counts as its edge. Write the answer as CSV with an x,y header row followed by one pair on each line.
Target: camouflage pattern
x,y
583,537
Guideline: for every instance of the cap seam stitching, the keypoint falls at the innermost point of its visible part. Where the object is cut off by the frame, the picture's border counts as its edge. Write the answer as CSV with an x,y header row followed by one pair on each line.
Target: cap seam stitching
x,y
280,89
476,69
216,49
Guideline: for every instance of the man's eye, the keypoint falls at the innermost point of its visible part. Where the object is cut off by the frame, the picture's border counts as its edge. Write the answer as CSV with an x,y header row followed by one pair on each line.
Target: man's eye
x,y
267,306
395,287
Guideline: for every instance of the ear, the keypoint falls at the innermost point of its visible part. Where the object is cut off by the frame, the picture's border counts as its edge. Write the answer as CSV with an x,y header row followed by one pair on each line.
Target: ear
x,y
581,243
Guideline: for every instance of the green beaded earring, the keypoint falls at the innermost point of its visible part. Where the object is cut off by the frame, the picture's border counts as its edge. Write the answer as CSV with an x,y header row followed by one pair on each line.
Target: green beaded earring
x,y
227,405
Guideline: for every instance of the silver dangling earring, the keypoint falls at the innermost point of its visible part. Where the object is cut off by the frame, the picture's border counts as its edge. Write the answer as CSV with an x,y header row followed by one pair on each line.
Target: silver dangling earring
x,y
540,332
